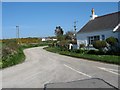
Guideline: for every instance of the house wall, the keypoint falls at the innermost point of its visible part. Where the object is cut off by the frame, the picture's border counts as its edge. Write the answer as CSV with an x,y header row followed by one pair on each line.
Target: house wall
x,y
82,38
72,46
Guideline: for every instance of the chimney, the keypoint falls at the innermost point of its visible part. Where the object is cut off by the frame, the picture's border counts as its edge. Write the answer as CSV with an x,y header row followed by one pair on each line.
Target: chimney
x,y
93,12
93,16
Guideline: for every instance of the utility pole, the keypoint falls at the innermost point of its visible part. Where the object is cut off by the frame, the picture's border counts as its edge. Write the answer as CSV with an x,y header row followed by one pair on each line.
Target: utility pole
x,y
75,28
17,34
75,25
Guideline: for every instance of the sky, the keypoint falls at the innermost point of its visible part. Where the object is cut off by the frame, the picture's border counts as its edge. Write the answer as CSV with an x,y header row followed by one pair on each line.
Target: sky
x,y
39,19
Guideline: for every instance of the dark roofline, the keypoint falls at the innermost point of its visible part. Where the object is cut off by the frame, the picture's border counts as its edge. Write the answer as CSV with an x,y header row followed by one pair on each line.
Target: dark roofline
x,y
107,14
99,17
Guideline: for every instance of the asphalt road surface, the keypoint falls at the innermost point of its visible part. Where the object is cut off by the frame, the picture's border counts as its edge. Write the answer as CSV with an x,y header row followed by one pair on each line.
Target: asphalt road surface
x,y
41,67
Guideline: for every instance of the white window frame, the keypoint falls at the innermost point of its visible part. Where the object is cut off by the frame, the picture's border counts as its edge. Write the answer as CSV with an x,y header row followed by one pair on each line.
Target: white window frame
x,y
92,39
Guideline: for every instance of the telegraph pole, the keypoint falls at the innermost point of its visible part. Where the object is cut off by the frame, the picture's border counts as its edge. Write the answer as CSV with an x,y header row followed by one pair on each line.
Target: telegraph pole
x,y
75,28
17,34
75,25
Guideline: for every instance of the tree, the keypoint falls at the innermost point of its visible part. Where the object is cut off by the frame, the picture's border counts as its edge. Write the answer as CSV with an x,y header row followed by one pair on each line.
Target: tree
x,y
59,31
69,35
60,37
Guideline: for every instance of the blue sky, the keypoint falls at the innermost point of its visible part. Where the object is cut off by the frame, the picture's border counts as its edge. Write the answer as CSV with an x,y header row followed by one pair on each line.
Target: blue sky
x,y
39,19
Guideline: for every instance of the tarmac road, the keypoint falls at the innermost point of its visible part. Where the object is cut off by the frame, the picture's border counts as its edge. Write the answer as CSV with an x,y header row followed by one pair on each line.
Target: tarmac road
x,y
41,67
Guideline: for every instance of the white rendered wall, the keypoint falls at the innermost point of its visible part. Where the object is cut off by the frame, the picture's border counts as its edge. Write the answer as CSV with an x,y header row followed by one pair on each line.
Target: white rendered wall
x,y
82,38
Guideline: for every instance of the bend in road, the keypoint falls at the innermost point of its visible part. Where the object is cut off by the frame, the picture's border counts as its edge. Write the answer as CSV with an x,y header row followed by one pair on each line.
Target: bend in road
x,y
41,67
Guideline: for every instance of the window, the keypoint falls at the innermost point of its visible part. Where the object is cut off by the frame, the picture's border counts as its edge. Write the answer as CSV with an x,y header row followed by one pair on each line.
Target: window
x,y
103,37
96,38
91,39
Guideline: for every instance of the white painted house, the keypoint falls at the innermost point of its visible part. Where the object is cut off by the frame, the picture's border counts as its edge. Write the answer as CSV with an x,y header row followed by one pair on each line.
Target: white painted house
x,y
49,39
99,28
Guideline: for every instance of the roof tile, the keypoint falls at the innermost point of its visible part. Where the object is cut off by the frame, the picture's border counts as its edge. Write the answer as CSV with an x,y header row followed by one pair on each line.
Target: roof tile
x,y
101,23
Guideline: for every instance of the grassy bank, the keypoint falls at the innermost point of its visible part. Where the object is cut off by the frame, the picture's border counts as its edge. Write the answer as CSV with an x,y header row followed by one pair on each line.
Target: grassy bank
x,y
102,58
0,54
11,53
13,59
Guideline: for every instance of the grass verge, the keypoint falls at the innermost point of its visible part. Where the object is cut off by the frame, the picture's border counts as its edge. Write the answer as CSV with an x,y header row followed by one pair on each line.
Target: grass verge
x,y
102,58
18,57
14,59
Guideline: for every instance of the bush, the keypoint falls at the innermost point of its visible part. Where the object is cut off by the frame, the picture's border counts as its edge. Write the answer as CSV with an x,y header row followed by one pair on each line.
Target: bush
x,y
95,52
79,51
91,52
113,45
10,47
99,45
14,59
111,40
12,44
63,45
82,45
103,58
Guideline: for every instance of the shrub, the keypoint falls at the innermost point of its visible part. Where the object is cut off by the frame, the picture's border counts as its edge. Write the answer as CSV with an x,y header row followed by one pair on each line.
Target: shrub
x,y
13,59
96,52
50,45
91,52
10,47
113,45
111,40
63,45
12,44
79,51
99,45
82,45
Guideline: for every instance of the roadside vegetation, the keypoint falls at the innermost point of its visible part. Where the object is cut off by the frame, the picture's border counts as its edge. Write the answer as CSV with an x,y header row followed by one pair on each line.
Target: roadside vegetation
x,y
12,52
0,54
85,54
104,51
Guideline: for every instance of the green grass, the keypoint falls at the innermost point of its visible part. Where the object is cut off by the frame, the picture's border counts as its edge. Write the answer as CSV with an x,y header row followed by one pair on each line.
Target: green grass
x,y
0,54
0,64
102,58
18,57
11,60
